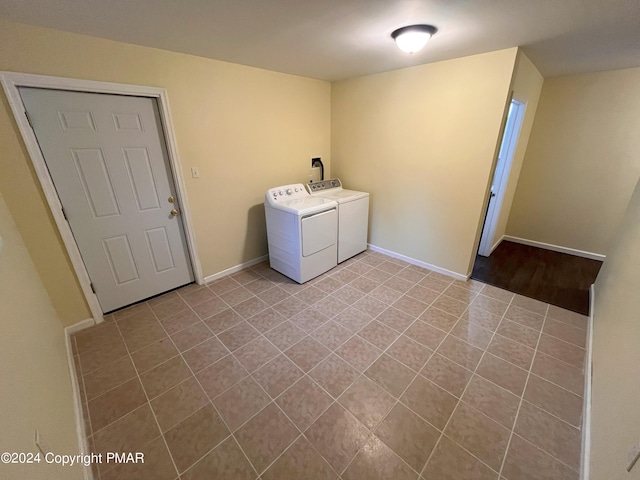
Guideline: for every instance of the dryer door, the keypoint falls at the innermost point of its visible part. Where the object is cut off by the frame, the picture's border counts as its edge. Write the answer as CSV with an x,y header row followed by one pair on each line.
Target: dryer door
x,y
319,231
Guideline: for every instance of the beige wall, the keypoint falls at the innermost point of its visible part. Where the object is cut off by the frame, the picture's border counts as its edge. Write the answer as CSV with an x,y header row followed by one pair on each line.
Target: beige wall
x,y
615,419
582,161
246,129
422,141
526,87
34,374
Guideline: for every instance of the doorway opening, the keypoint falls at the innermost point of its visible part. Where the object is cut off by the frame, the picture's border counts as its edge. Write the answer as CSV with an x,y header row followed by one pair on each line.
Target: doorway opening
x,y
488,240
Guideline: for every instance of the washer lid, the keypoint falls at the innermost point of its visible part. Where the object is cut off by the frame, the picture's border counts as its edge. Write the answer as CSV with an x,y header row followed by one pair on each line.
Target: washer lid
x,y
342,196
305,206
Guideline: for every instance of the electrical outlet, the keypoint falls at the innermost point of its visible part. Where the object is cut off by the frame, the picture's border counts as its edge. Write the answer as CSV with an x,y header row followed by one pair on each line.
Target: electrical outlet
x,y
41,443
195,172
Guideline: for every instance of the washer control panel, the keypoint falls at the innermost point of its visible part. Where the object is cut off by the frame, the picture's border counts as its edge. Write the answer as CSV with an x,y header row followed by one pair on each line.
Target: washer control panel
x,y
286,192
324,185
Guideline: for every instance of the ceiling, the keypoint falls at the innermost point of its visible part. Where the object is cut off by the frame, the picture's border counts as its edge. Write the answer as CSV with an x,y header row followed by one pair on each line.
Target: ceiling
x,y
337,39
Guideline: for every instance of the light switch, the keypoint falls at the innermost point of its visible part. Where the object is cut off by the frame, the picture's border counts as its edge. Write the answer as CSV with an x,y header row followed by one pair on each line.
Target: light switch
x,y
195,172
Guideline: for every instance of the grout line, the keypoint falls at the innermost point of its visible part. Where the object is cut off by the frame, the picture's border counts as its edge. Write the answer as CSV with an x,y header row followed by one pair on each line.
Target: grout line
x,y
524,391
484,352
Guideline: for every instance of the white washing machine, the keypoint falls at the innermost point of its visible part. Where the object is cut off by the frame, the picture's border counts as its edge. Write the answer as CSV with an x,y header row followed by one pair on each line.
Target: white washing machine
x,y
302,232
353,215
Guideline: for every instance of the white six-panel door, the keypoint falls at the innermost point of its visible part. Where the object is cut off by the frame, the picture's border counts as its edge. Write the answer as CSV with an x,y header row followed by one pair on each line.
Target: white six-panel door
x,y
108,161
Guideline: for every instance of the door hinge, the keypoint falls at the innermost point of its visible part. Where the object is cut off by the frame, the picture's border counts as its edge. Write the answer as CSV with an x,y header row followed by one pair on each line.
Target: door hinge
x,y
93,289
26,114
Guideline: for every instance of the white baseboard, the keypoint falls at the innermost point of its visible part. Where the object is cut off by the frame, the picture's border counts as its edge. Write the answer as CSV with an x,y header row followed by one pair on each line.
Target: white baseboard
x,y
555,248
235,269
496,245
586,407
83,443
76,327
419,263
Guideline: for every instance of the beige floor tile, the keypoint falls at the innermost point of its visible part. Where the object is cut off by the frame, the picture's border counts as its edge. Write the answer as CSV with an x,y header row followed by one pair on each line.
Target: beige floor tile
x,y
359,353
273,295
367,402
223,321
439,319
115,404
277,375
478,434
166,375
557,438
179,321
451,462
572,318
524,317
554,400
378,334
462,294
109,376
309,319
519,333
481,317
332,335
238,335
559,372
415,302
353,319
527,462
285,335
495,402
511,351
409,352
376,461
205,354
425,334
221,375
307,353
256,353
472,333
128,433
241,402
460,352
300,461
334,375
429,401
530,304
266,436
178,403
390,374
447,374
395,319
191,336
266,320
304,402
337,435
193,437
154,354
562,350
503,373
210,307
410,437
566,332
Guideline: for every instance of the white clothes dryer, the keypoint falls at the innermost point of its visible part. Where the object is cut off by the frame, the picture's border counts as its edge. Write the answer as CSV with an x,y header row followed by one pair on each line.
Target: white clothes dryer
x,y
302,232
353,215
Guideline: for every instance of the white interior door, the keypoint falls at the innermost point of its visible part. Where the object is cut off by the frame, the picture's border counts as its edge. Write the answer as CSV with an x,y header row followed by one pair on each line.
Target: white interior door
x,y
107,157
501,177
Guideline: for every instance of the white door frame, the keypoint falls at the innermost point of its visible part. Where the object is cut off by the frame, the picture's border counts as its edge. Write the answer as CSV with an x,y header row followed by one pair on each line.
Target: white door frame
x,y
11,81
501,175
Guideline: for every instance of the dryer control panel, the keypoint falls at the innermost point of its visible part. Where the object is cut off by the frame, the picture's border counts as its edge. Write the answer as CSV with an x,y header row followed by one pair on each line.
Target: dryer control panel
x,y
286,192
324,185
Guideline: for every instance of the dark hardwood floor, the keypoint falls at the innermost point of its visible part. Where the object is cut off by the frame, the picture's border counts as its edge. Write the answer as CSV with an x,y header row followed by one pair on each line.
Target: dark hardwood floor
x,y
557,278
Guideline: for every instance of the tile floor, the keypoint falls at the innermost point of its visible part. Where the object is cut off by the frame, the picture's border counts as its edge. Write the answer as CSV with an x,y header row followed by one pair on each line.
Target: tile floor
x,y
376,370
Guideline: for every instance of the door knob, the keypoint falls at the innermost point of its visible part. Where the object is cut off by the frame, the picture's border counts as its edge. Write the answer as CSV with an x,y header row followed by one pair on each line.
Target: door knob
x,y
171,199
174,212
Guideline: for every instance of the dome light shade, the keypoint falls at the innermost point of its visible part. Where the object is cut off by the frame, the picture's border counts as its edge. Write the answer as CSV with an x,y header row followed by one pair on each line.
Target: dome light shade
x,y
413,38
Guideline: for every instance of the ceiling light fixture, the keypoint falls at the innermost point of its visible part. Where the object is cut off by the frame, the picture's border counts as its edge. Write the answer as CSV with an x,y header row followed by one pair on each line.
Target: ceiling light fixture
x,y
413,38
